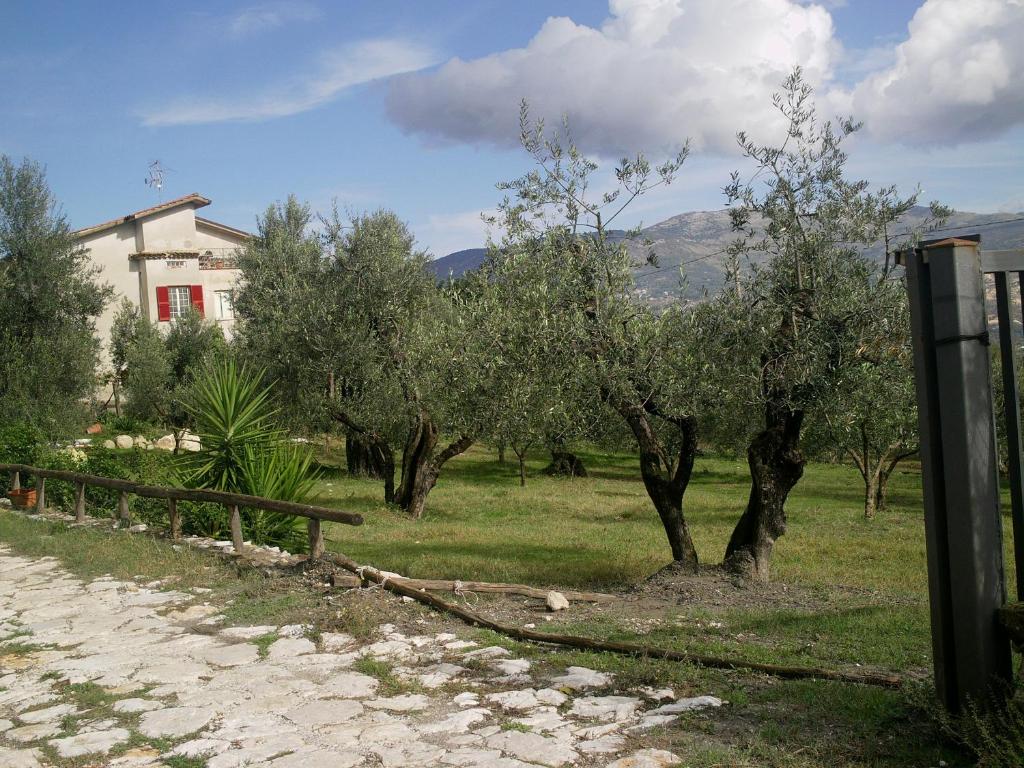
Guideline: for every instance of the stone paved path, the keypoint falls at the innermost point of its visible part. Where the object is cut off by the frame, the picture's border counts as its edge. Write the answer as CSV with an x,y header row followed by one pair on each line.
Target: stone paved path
x,y
175,685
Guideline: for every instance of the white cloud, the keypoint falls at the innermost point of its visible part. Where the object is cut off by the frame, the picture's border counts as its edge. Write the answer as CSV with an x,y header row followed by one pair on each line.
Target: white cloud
x,y
956,78
654,73
257,19
338,70
658,71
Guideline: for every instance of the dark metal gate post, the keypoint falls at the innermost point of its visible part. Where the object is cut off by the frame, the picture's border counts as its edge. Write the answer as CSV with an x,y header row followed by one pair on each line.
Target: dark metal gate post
x,y
963,527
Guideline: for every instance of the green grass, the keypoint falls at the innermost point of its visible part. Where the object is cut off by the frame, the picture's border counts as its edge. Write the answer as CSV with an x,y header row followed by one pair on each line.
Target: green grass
x,y
390,683
603,531
846,592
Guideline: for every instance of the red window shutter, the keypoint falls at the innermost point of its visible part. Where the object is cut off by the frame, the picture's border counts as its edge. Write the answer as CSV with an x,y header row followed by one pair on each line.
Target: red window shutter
x,y
163,303
197,299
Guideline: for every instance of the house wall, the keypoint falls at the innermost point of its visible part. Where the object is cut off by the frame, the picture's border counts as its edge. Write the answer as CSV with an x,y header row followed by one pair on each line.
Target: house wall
x,y
110,251
138,278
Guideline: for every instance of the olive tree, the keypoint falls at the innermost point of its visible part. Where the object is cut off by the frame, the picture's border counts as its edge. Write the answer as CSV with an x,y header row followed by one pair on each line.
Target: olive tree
x,y
551,216
808,312
355,331
50,299
157,368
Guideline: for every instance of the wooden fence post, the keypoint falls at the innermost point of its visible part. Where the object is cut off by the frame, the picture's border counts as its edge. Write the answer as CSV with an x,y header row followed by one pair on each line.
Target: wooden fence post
x,y
236,528
16,481
963,528
40,495
172,511
316,538
124,514
79,502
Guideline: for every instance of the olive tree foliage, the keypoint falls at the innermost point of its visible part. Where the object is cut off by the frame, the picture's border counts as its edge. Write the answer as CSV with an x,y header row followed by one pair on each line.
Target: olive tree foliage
x,y
805,318
354,331
537,393
551,215
156,369
50,298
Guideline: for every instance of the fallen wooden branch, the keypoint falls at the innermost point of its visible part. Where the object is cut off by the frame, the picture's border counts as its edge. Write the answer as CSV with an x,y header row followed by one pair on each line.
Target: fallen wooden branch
x,y
400,587
459,587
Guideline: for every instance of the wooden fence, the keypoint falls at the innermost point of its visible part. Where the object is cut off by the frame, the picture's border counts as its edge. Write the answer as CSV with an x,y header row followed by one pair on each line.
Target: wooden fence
x,y
233,501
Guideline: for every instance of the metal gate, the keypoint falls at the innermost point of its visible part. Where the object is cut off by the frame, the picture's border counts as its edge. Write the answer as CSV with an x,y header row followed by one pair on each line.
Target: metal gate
x,y
959,456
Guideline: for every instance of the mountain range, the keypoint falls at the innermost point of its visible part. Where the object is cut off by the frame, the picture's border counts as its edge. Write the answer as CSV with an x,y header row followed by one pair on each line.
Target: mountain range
x,y
696,241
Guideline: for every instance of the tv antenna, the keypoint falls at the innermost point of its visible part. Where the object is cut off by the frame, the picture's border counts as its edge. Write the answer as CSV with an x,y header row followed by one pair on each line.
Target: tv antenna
x,y
155,178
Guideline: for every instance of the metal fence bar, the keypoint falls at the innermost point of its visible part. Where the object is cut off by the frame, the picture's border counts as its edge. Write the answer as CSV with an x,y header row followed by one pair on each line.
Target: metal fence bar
x,y
1011,409
959,469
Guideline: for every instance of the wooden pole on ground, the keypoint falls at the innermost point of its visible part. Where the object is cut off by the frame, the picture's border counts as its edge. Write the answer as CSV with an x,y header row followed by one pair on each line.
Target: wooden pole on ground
x,y
316,539
236,529
79,502
16,481
124,514
40,495
172,512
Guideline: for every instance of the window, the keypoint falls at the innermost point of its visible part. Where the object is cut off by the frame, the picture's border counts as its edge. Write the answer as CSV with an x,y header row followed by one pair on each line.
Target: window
x,y
173,301
179,299
225,308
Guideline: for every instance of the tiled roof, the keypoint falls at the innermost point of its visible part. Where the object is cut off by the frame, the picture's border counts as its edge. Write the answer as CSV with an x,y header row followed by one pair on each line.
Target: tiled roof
x,y
193,199
223,227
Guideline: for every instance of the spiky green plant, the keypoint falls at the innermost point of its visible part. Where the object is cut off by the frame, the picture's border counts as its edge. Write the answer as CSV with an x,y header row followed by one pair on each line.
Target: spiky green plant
x,y
244,451
234,416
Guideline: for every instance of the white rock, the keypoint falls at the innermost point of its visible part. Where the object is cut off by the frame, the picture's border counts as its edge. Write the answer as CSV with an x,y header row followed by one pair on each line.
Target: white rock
x,y
136,705
467,699
49,714
411,702
175,722
555,601
109,445
687,705
512,666
288,647
335,641
460,645
190,442
647,758
534,748
329,712
490,652
615,708
89,743
658,694
165,443
581,677
247,633
20,758
138,528
123,441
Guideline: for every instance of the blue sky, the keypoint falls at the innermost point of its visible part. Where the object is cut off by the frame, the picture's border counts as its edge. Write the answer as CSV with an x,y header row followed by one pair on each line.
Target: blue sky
x,y
411,105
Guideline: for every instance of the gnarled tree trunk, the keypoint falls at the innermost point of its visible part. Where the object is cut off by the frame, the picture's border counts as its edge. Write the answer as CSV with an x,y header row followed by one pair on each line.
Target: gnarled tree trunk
x,y
666,484
776,464
565,464
421,464
368,453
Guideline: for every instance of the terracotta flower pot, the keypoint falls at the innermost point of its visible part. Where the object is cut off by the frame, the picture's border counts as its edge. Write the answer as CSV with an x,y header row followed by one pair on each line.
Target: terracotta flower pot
x,y
23,498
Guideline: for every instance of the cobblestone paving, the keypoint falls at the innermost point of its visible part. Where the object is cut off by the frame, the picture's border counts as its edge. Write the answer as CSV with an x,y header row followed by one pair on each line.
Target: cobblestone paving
x,y
110,673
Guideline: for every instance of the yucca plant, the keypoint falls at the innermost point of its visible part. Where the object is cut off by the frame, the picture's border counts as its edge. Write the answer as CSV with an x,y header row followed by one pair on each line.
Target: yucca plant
x,y
283,472
244,451
234,416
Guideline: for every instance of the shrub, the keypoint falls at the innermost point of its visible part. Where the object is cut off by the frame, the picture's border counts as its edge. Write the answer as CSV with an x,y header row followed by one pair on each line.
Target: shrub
x,y
20,443
60,494
994,733
139,466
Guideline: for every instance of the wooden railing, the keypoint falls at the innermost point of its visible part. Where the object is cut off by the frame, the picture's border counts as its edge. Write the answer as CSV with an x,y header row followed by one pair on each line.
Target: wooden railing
x,y
233,501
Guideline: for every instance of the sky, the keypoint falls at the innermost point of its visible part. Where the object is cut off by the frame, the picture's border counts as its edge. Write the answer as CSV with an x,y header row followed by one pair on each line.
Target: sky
x,y
413,105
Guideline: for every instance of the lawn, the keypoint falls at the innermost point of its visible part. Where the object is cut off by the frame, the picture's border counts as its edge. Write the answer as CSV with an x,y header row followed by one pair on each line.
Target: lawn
x,y
846,592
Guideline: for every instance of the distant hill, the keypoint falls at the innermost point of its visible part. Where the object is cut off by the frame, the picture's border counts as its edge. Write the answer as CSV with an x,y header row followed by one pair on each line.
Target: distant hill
x,y
455,264
698,239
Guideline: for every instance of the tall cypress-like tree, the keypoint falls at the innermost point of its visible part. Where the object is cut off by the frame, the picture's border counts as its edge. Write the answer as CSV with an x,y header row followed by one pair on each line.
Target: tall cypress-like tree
x,y
50,298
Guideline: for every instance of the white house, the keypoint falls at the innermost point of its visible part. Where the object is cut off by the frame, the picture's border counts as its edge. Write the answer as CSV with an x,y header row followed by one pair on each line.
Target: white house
x,y
164,259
